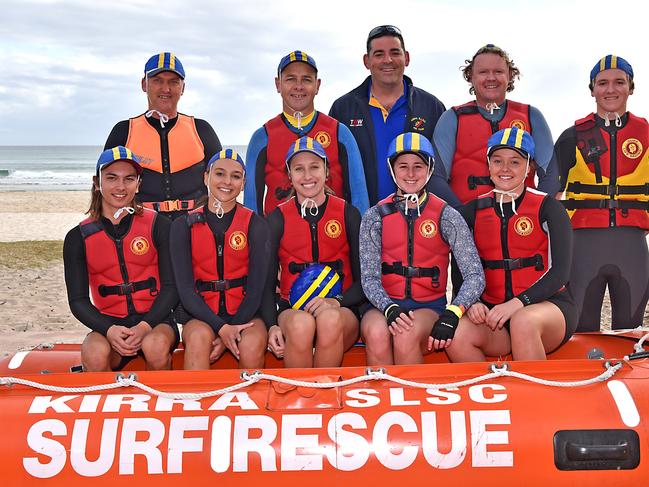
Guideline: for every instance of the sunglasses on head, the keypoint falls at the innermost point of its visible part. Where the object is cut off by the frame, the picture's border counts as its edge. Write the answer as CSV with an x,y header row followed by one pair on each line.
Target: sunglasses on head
x,y
382,30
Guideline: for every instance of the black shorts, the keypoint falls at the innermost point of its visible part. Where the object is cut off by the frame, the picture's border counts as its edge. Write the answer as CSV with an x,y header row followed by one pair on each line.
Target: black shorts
x,y
133,320
562,300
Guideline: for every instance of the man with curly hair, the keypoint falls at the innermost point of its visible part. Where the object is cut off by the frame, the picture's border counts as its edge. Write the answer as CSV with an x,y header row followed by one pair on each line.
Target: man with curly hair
x,y
462,132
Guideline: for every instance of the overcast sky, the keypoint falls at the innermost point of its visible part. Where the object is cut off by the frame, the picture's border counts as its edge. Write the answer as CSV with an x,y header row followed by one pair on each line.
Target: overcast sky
x,y
71,69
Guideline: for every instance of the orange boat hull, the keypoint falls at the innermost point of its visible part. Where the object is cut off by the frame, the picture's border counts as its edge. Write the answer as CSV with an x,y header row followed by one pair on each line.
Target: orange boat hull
x,y
500,431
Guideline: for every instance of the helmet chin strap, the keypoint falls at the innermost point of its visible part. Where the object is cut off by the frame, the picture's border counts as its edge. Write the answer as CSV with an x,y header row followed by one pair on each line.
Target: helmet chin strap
x,y
310,205
297,115
607,121
129,209
412,197
163,117
513,194
491,106
217,204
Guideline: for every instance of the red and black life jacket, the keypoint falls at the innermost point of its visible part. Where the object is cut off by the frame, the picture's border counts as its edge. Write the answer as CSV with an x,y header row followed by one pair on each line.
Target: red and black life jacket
x,y
415,257
123,273
304,243
469,176
280,138
220,262
514,251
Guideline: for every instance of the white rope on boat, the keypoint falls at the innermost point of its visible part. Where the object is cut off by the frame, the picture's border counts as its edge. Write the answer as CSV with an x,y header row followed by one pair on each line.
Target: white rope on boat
x,y
371,375
638,346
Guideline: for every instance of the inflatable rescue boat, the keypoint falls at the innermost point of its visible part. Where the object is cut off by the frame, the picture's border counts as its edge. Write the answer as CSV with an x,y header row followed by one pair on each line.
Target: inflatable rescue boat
x,y
579,418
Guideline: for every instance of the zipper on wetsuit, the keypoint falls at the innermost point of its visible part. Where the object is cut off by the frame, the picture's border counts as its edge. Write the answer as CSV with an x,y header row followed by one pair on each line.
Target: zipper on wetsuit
x,y
612,174
315,252
219,270
504,223
411,250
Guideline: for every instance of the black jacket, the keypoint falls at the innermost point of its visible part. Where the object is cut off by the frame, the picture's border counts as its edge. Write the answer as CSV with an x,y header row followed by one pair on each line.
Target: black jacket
x,y
353,110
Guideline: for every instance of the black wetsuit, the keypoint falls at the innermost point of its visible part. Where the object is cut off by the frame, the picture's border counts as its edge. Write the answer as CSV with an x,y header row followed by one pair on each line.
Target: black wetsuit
x,y
77,281
550,287
171,188
616,257
193,303
352,298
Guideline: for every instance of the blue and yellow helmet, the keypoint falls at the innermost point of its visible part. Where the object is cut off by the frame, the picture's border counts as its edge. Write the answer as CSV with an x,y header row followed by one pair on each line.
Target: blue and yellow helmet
x,y
226,154
165,61
305,144
611,62
119,153
414,143
512,138
317,280
293,57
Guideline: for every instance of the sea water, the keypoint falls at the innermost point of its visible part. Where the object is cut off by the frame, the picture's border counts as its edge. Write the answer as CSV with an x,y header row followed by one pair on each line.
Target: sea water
x,y
52,168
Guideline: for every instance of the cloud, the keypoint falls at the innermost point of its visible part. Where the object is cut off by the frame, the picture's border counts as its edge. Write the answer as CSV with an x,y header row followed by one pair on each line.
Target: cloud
x,y
78,64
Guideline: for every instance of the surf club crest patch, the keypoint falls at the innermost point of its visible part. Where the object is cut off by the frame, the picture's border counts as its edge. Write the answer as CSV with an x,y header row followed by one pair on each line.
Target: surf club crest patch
x,y
428,229
238,240
333,229
418,123
324,138
523,226
519,124
632,148
139,246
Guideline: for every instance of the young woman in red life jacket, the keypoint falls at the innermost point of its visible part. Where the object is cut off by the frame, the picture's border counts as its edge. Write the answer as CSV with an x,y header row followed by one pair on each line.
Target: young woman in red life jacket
x,y
526,308
312,227
405,242
121,254
220,263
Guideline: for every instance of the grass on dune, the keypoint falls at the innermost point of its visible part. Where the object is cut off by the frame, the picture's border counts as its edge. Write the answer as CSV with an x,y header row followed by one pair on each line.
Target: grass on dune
x,y
30,253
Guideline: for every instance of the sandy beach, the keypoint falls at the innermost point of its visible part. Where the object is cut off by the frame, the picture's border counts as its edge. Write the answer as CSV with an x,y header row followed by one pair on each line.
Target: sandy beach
x,y
33,300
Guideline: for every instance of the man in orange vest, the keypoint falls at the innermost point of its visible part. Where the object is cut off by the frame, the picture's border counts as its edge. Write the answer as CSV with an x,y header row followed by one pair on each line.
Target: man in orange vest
x,y
174,147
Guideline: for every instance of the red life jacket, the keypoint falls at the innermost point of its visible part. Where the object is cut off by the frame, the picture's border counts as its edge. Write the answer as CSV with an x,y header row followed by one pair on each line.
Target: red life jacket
x,y
306,243
609,184
514,257
280,138
220,262
469,171
414,255
123,274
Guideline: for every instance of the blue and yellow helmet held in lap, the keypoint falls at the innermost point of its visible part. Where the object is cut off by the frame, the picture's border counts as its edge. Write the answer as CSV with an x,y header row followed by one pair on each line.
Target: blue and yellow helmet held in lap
x,y
317,280
512,138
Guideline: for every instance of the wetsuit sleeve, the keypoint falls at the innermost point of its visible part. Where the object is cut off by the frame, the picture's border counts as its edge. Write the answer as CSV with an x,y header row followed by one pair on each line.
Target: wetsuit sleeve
x,y
353,296
566,153
255,156
456,233
444,145
357,184
180,244
444,139
556,223
269,303
258,256
211,142
117,136
77,284
544,152
370,250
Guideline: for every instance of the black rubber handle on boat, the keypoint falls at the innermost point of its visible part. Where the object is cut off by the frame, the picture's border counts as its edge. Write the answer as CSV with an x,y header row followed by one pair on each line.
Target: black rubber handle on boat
x,y
638,355
578,452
